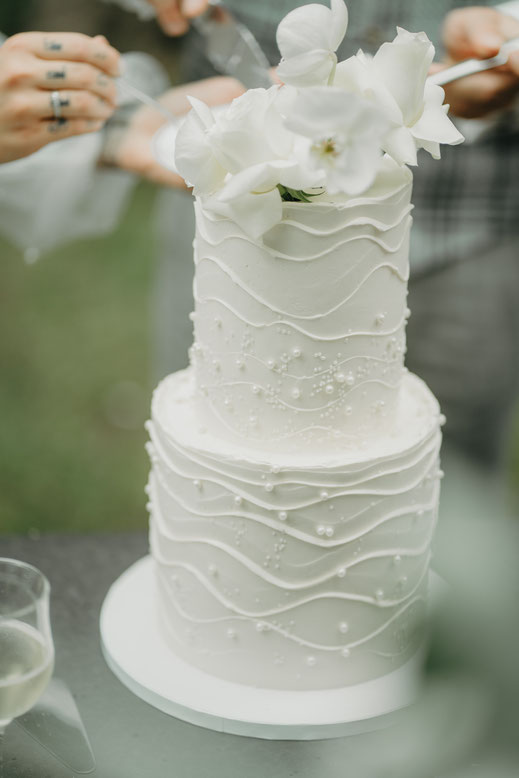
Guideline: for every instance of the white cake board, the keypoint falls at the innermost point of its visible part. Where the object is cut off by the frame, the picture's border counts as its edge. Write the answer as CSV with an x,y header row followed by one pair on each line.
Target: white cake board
x,y
139,656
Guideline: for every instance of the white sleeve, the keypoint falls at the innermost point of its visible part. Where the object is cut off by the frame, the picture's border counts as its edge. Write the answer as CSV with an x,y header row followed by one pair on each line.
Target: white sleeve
x,y
60,194
510,8
142,8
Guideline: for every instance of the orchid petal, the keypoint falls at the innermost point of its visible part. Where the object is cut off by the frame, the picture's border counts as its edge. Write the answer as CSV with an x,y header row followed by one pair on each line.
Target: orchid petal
x,y
311,68
399,144
339,23
202,111
434,124
194,158
303,29
402,67
254,213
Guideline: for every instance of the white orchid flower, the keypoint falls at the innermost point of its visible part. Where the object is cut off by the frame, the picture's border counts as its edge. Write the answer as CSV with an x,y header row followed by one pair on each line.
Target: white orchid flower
x,y
194,156
255,213
250,131
308,38
395,79
344,133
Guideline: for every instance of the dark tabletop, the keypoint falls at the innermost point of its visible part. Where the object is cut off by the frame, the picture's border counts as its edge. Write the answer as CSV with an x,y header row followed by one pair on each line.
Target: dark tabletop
x,y
129,737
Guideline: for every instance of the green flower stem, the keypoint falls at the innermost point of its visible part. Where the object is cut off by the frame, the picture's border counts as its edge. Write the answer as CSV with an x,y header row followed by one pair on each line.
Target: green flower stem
x,y
334,68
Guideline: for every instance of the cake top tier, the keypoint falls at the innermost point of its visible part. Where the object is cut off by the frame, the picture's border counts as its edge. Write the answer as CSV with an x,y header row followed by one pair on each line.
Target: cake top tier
x,y
300,335
324,132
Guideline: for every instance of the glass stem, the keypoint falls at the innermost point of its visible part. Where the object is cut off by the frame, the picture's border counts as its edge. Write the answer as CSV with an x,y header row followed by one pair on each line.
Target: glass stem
x,y
2,733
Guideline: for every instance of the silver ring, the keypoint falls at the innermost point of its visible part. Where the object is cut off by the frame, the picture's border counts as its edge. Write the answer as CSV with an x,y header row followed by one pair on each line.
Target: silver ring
x,y
55,102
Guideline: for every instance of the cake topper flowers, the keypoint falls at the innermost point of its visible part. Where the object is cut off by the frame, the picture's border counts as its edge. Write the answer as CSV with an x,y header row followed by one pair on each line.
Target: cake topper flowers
x,y
326,129
308,38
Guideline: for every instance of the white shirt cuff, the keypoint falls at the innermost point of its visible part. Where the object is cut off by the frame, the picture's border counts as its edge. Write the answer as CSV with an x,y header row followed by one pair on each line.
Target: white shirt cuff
x,y
511,8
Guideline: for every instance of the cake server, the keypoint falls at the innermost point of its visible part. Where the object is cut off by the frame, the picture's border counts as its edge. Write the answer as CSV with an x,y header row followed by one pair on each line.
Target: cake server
x,y
231,48
471,66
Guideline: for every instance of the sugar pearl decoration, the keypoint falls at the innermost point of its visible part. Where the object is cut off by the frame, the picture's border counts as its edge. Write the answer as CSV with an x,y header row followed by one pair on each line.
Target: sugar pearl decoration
x,y
350,379
240,364
197,483
311,661
341,572
343,627
231,633
380,319
348,410
340,378
397,559
296,352
256,389
271,364
345,652
329,389
329,532
238,500
296,393
282,515
213,570
379,594
261,626
321,530
269,487
323,494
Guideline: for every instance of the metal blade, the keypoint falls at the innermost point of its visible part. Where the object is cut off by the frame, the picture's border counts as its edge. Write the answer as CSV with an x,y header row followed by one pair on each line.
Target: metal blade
x,y
231,47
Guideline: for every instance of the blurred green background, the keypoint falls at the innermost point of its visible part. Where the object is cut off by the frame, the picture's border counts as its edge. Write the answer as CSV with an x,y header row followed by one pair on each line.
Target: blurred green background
x,y
75,343
75,383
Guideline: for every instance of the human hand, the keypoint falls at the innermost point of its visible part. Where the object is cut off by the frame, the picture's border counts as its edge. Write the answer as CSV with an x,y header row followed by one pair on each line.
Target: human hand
x,y
479,32
34,65
174,15
129,148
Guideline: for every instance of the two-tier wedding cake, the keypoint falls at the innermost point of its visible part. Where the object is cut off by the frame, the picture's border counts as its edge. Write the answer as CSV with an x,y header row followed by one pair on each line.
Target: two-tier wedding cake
x,y
295,464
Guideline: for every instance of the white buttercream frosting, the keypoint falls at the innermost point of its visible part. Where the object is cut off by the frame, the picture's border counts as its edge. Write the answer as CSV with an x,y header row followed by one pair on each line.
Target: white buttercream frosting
x,y
298,571
300,337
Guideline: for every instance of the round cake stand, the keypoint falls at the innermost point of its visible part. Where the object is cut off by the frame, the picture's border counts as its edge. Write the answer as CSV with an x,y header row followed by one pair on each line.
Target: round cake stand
x,y
138,655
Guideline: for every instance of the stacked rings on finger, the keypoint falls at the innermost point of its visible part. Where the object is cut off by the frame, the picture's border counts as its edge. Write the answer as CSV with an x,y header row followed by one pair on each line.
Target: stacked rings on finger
x,y
55,102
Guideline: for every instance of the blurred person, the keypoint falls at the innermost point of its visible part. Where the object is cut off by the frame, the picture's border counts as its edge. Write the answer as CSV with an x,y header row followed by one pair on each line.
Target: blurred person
x,y
55,187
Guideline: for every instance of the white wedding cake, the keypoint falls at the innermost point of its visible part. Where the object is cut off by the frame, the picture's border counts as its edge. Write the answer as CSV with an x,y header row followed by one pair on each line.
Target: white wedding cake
x,y
295,472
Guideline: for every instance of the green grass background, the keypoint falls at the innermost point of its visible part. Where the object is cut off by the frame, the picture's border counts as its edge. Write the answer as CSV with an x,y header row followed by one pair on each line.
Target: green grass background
x,y
75,381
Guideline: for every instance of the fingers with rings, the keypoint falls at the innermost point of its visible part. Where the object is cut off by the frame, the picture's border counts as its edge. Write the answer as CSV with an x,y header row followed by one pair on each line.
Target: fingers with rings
x,y
73,104
75,75
68,47
65,128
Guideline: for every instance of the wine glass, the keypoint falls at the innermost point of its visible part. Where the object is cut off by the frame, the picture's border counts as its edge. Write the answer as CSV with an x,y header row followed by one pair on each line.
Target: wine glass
x,y
26,647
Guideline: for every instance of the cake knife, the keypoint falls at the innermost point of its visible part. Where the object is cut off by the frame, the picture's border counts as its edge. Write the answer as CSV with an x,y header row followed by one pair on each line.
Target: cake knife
x,y
471,66
231,48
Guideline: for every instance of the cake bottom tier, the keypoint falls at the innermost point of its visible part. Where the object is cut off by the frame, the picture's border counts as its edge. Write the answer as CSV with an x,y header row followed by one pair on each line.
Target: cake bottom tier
x,y
300,573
